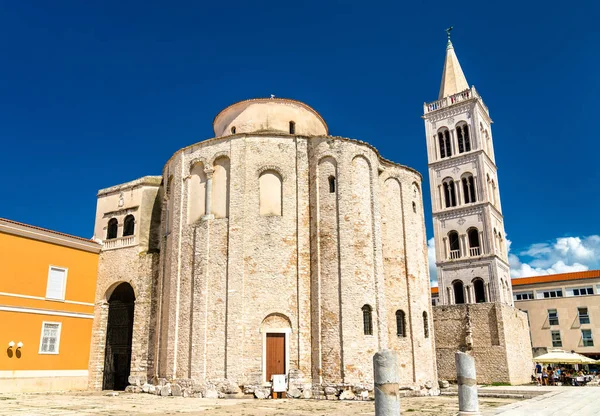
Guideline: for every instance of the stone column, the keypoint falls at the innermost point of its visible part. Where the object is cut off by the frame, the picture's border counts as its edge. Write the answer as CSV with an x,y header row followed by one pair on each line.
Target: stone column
x,y
208,200
487,292
458,192
386,378
475,189
463,247
468,403
482,246
447,247
441,206
453,141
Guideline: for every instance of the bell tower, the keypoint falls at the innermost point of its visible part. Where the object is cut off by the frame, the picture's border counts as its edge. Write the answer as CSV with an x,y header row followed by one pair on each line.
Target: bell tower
x,y
470,243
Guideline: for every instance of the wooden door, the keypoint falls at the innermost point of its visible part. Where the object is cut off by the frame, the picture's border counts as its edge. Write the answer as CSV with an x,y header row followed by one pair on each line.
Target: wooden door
x,y
275,354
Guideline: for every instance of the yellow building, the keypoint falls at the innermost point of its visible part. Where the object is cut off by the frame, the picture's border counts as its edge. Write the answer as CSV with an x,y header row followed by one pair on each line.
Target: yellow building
x,y
47,289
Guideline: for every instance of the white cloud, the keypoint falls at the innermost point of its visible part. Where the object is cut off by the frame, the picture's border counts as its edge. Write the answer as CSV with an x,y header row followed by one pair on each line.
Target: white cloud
x,y
563,255
431,258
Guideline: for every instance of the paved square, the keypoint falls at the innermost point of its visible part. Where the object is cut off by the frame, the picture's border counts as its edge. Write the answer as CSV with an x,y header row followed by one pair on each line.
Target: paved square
x,y
70,404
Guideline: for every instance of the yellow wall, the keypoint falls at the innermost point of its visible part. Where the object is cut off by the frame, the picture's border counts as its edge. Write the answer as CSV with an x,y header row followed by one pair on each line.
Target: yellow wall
x,y
25,263
74,347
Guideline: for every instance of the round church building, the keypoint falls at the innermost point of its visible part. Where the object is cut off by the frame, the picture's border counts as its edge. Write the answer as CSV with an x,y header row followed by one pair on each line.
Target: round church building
x,y
273,248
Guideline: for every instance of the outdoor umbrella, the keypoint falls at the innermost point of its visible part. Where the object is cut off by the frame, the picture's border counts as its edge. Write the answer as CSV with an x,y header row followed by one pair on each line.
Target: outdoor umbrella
x,y
563,357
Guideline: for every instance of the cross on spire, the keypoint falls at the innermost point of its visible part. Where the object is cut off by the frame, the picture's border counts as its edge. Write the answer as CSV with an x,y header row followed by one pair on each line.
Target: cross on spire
x,y
448,33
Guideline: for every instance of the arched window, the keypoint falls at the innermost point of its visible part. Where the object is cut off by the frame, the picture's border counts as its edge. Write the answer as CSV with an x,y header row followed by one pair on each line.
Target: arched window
x,y
454,241
449,192
128,225
196,193
113,226
292,127
367,320
474,246
444,141
233,130
332,184
270,192
220,188
400,323
469,188
459,292
479,288
425,325
464,141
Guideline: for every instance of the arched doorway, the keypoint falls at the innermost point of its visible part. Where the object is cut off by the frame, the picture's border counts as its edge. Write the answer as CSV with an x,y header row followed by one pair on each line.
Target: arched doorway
x,y
479,290
119,330
459,293
276,329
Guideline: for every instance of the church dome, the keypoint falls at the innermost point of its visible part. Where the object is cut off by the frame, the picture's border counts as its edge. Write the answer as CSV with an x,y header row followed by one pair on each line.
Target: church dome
x,y
279,115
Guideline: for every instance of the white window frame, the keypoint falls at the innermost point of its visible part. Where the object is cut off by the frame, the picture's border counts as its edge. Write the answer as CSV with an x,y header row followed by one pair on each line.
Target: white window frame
x,y
591,338
557,318
58,333
64,289
528,294
589,321
556,331
573,289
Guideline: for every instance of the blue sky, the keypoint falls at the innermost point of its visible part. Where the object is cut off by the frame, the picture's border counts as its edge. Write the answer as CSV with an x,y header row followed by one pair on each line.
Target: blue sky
x,y
99,93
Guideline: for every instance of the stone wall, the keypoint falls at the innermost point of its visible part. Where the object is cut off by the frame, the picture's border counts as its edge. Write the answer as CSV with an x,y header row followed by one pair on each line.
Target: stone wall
x,y
500,341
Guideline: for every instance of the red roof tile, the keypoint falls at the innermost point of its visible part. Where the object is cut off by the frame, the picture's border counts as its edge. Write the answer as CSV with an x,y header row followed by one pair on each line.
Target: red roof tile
x,y
589,274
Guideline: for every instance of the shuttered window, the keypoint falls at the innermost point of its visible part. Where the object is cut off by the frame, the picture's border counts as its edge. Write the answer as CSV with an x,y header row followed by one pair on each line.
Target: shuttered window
x,y
57,279
50,338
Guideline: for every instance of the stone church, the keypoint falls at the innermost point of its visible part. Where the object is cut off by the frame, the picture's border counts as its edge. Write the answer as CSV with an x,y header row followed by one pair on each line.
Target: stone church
x,y
272,248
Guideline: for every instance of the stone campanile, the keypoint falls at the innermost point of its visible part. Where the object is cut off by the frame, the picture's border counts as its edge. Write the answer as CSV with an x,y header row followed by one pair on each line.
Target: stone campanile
x,y
470,243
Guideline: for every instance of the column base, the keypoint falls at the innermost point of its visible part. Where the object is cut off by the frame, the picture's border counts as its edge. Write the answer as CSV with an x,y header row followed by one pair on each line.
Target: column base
x,y
468,413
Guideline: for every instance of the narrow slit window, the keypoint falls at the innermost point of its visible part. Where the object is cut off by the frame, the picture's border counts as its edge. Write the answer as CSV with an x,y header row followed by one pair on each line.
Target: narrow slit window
x,y
332,184
292,127
400,323
367,320
425,325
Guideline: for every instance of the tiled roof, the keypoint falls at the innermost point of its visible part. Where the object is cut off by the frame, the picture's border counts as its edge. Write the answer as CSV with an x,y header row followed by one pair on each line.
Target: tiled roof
x,y
434,290
47,230
589,274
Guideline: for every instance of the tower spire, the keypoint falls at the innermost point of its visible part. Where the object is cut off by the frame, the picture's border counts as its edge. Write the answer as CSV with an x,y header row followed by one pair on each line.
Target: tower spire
x,y
453,78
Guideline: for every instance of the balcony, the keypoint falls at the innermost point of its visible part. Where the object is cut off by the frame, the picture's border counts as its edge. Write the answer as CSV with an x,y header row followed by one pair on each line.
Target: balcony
x,y
454,254
453,99
475,251
120,242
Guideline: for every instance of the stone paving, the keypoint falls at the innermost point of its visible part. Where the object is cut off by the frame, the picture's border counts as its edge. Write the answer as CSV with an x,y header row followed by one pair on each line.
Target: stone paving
x,y
70,404
563,401
560,401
